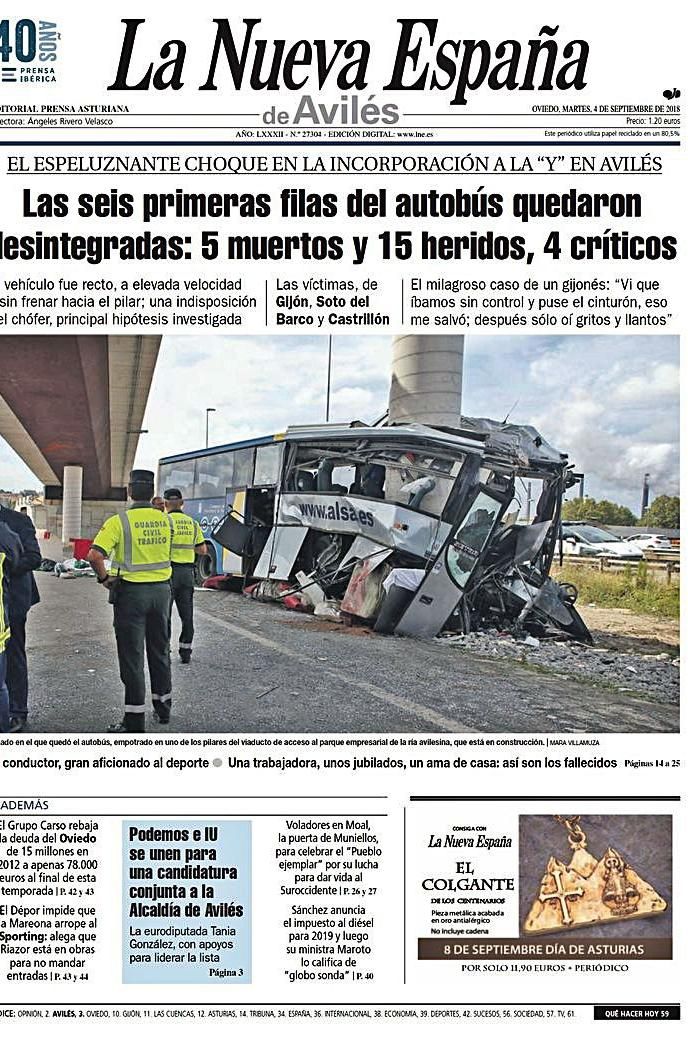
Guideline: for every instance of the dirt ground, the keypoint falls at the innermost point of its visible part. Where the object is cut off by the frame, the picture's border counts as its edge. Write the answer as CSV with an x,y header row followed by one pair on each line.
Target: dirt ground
x,y
627,631
620,630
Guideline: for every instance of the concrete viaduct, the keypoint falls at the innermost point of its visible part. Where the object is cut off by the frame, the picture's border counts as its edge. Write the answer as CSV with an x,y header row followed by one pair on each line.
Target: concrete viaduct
x,y
72,408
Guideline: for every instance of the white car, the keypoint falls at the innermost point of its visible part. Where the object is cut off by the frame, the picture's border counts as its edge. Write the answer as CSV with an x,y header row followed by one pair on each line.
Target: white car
x,y
653,542
590,541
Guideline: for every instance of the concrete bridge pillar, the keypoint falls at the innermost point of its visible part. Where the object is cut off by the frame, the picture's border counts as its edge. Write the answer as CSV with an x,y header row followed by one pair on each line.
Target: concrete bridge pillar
x,y
427,373
72,486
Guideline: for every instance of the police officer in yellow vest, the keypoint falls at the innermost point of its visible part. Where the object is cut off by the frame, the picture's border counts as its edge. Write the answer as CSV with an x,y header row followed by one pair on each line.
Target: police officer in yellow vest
x,y
140,541
187,542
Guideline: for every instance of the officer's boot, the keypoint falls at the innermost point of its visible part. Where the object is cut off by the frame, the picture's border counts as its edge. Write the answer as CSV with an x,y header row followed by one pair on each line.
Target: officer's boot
x,y
185,655
162,707
131,723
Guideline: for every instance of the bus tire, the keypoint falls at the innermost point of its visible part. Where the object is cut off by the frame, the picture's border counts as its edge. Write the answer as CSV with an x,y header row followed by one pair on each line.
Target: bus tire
x,y
206,566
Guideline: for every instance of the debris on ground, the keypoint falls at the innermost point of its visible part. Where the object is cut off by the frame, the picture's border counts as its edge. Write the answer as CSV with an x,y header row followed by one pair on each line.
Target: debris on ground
x,y
652,675
218,582
71,568
329,610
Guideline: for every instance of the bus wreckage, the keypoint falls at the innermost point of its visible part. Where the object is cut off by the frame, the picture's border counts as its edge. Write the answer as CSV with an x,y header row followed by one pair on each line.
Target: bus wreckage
x,y
415,529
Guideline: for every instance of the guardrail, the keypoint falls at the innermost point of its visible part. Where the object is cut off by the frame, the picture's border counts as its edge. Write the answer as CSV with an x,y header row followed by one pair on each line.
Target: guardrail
x,y
666,562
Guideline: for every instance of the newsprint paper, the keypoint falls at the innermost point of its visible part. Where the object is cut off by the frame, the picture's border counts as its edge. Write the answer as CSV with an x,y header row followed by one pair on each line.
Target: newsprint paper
x,y
340,535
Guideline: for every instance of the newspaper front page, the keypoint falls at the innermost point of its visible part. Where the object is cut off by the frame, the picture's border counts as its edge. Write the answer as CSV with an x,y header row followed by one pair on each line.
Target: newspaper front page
x,y
340,530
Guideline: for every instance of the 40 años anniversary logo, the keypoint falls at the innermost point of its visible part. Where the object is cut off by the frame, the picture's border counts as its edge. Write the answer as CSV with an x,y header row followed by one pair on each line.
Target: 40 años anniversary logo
x,y
28,51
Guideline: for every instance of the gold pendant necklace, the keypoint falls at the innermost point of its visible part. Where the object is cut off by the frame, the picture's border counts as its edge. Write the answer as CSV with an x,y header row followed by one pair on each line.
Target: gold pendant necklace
x,y
589,891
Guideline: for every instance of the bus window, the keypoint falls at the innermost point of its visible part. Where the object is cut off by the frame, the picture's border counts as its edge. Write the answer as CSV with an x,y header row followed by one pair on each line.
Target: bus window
x,y
267,465
177,475
242,470
344,476
469,538
213,474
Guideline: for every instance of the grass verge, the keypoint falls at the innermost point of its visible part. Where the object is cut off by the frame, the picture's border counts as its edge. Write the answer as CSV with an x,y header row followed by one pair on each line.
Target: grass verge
x,y
632,588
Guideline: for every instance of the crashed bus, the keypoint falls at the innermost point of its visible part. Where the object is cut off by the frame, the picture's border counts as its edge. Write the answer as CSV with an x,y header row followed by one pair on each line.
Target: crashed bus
x,y
414,529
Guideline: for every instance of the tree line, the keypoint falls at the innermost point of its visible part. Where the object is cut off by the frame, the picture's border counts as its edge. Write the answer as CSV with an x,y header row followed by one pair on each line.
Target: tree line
x,y
663,513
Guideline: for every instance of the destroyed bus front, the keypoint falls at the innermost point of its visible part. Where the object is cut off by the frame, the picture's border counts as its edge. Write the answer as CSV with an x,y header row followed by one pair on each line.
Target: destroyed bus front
x,y
438,510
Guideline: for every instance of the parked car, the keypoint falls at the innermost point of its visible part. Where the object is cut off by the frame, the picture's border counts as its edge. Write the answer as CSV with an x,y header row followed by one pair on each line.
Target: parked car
x,y
654,542
591,541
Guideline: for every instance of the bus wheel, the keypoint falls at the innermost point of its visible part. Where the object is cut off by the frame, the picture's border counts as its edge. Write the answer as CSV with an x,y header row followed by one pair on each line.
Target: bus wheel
x,y
206,566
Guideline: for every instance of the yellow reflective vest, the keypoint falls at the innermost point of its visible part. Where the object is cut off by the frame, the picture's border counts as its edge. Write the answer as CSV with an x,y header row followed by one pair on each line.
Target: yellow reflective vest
x,y
139,540
186,536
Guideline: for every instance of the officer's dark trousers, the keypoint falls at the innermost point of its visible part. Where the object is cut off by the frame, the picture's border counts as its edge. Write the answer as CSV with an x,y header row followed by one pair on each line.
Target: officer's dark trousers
x,y
142,623
183,598
17,672
4,696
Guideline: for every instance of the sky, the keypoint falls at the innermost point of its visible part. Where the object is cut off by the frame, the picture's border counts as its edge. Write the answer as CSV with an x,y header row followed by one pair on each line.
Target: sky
x,y
611,402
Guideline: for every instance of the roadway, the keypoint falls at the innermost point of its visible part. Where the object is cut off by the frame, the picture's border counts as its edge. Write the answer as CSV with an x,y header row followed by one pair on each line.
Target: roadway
x,y
259,668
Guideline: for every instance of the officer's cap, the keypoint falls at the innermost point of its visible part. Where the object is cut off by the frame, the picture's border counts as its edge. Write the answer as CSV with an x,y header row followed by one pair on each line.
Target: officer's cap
x,y
172,494
141,477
